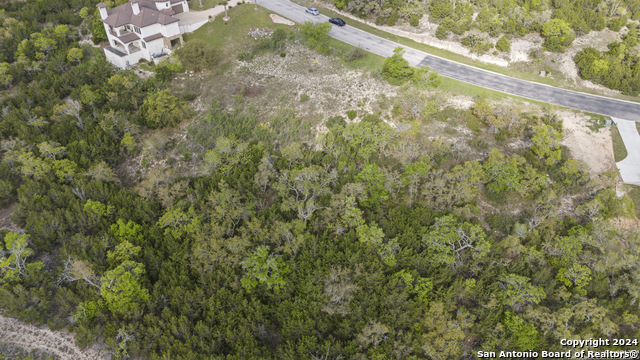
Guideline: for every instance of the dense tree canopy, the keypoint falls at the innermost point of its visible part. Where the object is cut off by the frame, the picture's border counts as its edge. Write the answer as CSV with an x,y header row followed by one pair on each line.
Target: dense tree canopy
x,y
373,242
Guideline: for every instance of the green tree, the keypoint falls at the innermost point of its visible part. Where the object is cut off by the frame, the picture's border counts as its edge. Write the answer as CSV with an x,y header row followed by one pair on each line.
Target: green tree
x,y
98,32
122,290
443,334
5,74
264,268
518,291
546,143
374,236
374,181
575,275
128,143
503,44
502,173
13,257
301,189
33,166
74,55
441,9
178,222
396,69
227,154
317,35
161,109
558,35
522,335
450,242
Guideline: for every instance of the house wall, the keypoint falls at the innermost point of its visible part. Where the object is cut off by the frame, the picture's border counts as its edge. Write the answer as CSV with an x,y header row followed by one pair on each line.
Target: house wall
x,y
115,59
109,36
163,5
185,29
155,47
170,30
150,30
121,62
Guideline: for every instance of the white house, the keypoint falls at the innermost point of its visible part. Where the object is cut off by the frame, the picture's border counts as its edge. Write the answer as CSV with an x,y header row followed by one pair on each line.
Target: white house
x,y
141,29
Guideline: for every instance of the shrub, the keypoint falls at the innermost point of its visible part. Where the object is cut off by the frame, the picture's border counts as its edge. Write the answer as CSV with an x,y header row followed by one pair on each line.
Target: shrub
x,y
356,54
352,114
161,109
335,121
393,18
558,35
317,36
617,23
444,28
503,44
441,9
245,56
6,192
396,69
197,55
304,97
414,20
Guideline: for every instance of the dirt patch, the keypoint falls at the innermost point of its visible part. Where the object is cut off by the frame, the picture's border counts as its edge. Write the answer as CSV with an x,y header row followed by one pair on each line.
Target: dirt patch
x,y
626,223
5,220
593,148
460,101
314,85
521,47
59,344
277,19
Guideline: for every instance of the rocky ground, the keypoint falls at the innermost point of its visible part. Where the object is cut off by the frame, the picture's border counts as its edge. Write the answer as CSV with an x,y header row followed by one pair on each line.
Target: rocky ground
x,y
41,340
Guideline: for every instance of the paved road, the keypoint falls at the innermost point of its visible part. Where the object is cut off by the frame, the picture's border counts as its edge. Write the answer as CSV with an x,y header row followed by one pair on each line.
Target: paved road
x,y
629,166
487,79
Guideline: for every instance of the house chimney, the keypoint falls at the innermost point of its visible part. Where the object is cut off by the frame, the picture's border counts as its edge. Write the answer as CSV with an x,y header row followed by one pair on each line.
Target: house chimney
x,y
102,7
135,7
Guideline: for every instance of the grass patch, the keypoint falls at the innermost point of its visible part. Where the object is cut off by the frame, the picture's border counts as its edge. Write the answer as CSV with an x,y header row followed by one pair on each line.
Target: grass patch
x,y
230,37
509,71
231,40
596,122
194,5
633,192
619,151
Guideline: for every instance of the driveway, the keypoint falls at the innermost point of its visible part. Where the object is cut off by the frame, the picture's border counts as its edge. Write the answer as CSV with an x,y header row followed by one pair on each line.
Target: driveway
x,y
629,166
484,78
194,16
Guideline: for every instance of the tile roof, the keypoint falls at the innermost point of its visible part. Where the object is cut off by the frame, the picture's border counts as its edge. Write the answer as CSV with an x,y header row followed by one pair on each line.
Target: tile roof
x,y
153,37
148,15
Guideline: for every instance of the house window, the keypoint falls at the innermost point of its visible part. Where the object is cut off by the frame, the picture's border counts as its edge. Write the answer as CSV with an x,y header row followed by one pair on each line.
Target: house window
x,y
144,45
136,29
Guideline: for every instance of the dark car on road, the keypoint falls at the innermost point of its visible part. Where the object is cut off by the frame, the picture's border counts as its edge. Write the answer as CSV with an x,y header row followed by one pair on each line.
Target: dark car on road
x,y
337,21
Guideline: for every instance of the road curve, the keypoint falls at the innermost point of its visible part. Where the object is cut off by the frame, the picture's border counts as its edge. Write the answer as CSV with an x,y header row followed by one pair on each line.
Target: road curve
x,y
577,100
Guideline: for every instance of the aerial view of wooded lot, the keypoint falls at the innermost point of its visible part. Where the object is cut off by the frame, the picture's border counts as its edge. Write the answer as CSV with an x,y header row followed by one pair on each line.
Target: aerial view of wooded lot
x,y
237,185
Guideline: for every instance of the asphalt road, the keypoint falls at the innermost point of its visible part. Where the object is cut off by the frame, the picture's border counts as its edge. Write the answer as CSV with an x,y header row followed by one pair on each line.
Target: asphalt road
x,y
487,79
